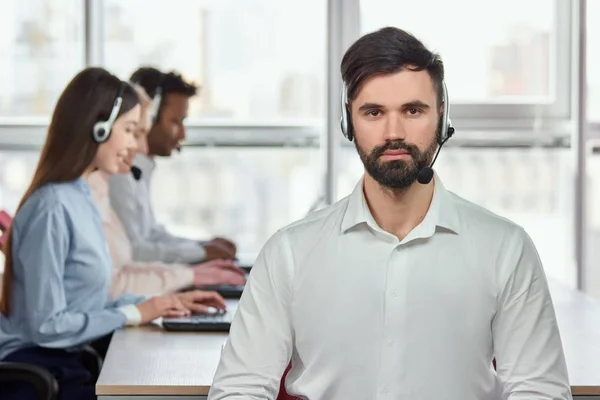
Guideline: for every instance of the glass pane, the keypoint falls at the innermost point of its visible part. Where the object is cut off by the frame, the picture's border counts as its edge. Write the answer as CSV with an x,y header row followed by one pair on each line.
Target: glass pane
x,y
592,237
16,171
243,193
532,187
42,47
593,59
255,59
504,54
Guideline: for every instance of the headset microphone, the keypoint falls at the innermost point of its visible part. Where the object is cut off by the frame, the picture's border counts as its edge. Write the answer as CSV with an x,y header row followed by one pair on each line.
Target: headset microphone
x,y
425,174
136,172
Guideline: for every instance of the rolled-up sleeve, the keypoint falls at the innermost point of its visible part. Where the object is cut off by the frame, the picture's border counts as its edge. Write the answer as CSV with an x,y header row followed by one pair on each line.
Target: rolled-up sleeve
x,y
143,278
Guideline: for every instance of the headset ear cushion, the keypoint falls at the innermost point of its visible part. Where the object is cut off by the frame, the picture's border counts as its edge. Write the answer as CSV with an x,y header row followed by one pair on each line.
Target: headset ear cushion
x,y
350,129
100,133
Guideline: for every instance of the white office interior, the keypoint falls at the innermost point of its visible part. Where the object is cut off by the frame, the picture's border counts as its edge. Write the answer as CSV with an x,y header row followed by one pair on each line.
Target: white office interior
x,y
264,147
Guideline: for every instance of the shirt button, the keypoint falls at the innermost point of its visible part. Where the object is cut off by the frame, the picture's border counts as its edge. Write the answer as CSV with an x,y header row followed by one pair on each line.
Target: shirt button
x,y
394,293
384,391
390,342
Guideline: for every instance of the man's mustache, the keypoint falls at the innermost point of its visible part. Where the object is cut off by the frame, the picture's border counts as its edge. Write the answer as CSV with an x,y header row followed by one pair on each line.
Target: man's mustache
x,y
395,145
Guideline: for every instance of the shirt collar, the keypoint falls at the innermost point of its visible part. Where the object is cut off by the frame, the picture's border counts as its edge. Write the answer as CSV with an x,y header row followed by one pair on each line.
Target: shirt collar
x,y
442,212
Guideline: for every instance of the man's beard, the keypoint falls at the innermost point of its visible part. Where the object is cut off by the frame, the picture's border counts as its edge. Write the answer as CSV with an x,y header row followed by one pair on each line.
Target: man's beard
x,y
396,174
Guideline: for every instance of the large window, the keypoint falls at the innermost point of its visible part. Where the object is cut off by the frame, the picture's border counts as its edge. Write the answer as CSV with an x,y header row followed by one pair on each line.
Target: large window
x,y
242,193
495,53
532,187
16,171
42,48
255,59
593,58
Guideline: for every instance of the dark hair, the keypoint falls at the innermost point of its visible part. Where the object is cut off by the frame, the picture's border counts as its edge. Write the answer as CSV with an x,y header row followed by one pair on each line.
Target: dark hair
x,y
387,51
151,78
69,149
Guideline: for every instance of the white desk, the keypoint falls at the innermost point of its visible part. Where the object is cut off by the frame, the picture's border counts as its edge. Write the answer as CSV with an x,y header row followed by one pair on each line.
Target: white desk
x,y
579,322
149,363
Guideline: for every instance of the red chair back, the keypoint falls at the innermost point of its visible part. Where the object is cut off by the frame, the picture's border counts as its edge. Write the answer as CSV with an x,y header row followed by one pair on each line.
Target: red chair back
x,y
283,395
5,221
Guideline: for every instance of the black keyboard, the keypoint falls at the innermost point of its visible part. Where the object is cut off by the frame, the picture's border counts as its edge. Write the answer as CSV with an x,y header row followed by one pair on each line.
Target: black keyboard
x,y
200,322
227,291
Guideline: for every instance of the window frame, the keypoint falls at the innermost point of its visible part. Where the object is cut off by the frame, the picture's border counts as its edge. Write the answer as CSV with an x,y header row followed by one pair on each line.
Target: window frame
x,y
560,108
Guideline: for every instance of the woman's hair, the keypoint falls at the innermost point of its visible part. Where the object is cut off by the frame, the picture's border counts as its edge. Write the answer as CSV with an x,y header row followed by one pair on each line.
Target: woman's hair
x,y
70,148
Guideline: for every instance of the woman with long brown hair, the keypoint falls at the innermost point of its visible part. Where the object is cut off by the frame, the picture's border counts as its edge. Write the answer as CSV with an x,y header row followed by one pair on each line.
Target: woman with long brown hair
x,y
58,269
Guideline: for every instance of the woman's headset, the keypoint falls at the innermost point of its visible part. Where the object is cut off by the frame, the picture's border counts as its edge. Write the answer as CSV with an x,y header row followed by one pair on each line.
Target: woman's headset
x,y
445,127
102,129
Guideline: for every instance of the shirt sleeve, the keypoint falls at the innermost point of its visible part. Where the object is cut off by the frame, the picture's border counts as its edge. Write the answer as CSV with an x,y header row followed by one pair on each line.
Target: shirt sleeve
x,y
157,244
43,253
143,278
527,344
126,299
254,358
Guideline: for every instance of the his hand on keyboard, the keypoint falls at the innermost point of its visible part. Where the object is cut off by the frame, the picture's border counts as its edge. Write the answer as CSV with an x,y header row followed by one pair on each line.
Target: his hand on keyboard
x,y
226,244
168,306
216,250
218,272
199,301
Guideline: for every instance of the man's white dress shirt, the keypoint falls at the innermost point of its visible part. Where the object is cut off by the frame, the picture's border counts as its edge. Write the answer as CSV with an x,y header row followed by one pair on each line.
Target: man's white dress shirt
x,y
150,240
363,315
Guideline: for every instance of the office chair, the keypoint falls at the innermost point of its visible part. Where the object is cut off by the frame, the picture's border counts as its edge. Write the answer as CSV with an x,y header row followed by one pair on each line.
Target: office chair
x,y
44,383
5,220
283,395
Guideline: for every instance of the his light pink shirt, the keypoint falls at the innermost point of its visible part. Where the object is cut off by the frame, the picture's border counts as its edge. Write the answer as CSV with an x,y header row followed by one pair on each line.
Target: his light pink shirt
x,y
142,278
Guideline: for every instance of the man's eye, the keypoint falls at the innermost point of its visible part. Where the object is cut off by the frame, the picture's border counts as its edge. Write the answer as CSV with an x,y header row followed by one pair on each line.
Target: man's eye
x,y
374,113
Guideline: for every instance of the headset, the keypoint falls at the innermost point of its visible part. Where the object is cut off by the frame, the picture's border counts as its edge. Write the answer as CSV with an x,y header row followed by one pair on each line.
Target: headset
x,y
157,99
102,129
445,130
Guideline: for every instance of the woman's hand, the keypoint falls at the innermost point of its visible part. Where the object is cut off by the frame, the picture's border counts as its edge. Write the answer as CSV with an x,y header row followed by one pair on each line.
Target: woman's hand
x,y
218,272
199,301
168,306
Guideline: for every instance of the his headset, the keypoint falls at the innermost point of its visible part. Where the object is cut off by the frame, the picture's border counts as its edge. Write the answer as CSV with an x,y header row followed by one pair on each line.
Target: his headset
x,y
154,110
102,129
157,99
445,131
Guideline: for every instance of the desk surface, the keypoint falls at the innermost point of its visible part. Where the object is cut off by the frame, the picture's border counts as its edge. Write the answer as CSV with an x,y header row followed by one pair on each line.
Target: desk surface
x,y
579,323
184,363
178,363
